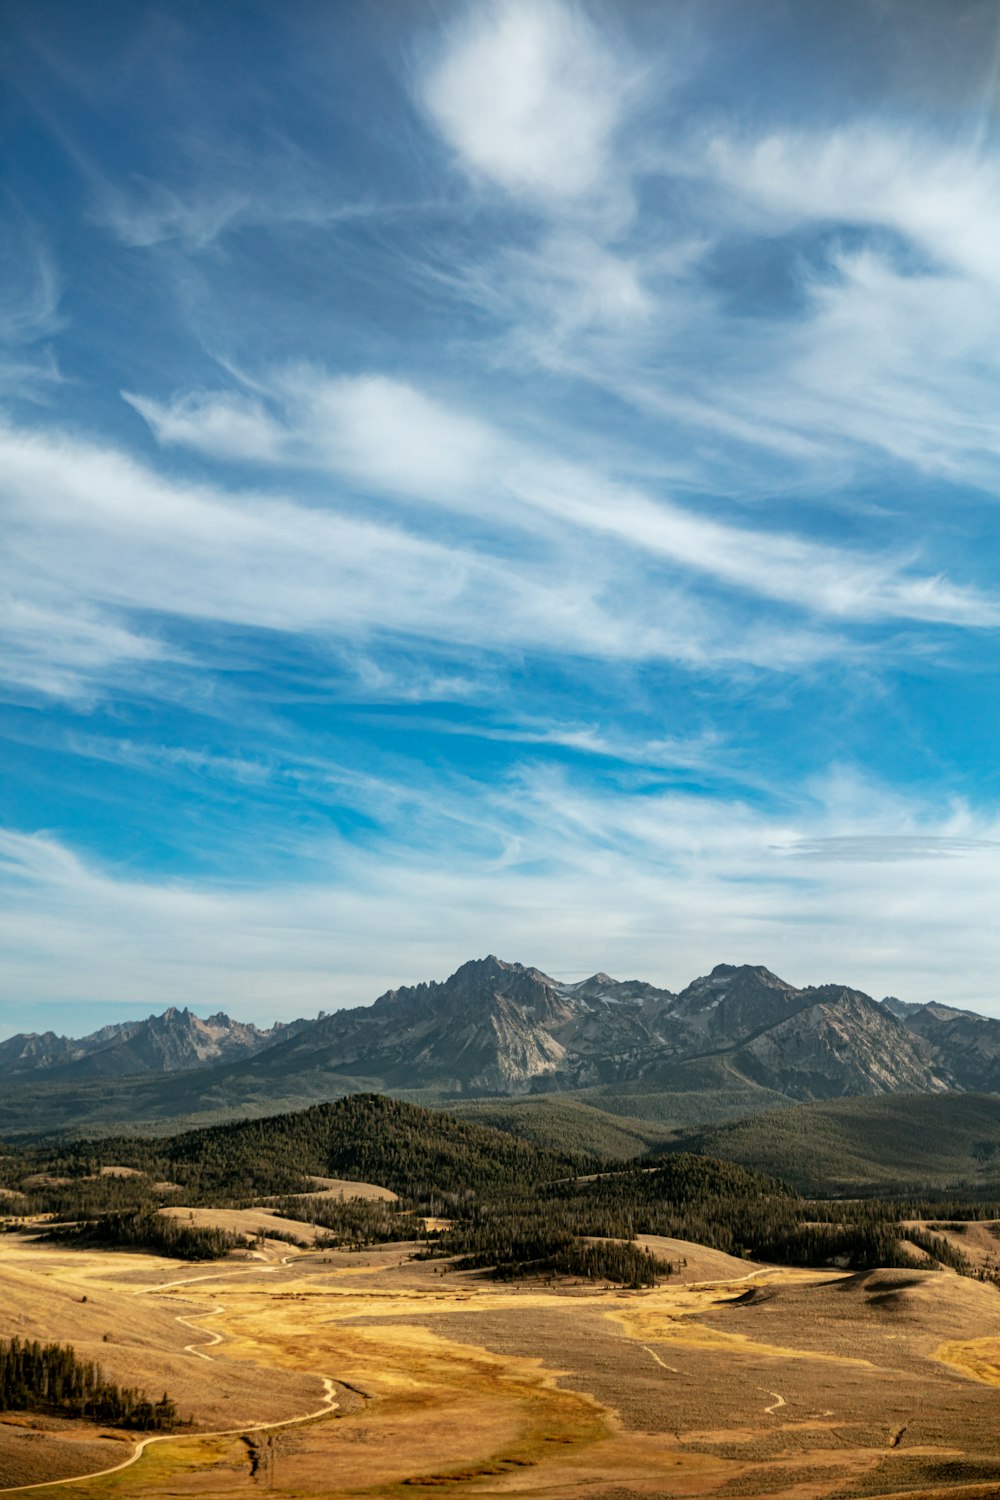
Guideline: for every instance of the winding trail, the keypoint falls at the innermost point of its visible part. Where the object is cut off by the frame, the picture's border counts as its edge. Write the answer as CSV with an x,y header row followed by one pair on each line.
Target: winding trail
x,y
330,1402
705,1286
779,1400
214,1338
672,1368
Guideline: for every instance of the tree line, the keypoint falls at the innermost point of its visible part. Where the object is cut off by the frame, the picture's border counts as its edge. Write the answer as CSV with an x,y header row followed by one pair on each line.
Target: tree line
x,y
51,1378
148,1230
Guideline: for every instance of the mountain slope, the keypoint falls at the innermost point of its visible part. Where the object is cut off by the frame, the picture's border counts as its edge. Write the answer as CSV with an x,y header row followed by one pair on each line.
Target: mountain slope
x,y
492,1027
966,1044
496,1027
898,1141
837,1044
168,1043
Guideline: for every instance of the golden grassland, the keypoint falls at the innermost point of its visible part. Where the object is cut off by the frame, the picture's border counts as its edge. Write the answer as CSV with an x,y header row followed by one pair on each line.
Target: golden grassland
x,y
244,1221
395,1377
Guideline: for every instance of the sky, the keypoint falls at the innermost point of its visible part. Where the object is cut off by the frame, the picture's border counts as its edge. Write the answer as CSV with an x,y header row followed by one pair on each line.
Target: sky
x,y
514,477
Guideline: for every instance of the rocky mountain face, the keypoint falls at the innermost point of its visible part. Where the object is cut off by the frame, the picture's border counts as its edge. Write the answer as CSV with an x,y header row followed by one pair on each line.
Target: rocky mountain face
x,y
960,1042
900,1008
837,1044
501,1028
169,1043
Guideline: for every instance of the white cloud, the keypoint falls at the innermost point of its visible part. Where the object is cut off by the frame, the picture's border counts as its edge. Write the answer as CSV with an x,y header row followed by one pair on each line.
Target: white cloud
x,y
221,423
893,352
389,435
894,349
572,288
93,536
392,438
529,94
381,432
67,649
946,198
902,363
537,100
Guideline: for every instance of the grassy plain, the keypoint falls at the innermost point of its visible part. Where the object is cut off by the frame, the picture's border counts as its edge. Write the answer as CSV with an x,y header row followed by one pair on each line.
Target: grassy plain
x,y
395,1377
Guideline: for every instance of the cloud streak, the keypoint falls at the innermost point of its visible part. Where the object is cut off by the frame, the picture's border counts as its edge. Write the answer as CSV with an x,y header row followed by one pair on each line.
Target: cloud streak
x,y
392,438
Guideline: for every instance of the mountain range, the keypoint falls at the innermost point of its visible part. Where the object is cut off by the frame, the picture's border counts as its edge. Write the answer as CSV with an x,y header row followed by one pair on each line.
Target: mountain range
x,y
733,1042
502,1028
169,1043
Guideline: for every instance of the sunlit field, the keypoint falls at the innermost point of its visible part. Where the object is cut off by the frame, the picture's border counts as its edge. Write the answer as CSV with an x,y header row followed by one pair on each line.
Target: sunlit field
x,y
347,1374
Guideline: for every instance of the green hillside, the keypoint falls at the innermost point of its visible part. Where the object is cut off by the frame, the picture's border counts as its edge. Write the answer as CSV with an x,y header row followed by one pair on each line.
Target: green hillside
x,y
416,1152
513,1206
893,1142
686,1095
160,1104
562,1122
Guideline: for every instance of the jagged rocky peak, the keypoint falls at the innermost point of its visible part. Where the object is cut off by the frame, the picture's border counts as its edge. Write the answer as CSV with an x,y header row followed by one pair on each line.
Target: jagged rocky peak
x,y
503,1027
724,975
475,982
493,970
899,1008
602,990
173,1016
174,1040
739,986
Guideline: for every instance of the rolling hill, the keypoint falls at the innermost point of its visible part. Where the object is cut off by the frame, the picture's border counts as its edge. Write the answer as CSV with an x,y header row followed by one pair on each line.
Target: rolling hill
x,y
900,1142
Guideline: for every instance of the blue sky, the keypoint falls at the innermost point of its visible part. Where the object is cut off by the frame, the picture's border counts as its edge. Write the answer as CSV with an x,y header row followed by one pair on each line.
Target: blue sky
x,y
514,477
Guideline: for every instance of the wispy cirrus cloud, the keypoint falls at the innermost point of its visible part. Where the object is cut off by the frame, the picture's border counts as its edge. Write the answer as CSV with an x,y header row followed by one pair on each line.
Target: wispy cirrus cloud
x,y
941,195
99,540
393,438
883,348
30,296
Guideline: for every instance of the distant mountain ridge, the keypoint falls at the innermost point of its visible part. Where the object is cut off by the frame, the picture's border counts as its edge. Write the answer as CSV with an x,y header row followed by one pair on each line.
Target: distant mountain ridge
x,y
964,1043
499,1028
503,1028
168,1043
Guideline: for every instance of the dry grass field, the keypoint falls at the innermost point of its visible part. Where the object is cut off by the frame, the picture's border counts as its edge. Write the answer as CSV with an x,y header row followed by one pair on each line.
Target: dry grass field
x,y
395,1377
244,1221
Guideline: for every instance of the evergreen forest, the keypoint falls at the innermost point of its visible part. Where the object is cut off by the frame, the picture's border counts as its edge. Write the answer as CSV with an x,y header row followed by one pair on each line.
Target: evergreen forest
x,y
51,1378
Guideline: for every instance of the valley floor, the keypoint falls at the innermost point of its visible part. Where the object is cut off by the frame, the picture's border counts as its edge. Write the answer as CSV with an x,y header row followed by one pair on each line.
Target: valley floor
x,y
373,1375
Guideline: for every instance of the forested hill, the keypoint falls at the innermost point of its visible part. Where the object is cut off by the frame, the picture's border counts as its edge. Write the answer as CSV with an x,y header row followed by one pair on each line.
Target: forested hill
x,y
905,1141
562,1123
902,1141
512,1206
364,1137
